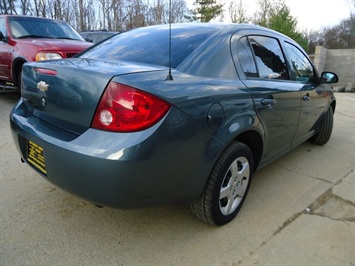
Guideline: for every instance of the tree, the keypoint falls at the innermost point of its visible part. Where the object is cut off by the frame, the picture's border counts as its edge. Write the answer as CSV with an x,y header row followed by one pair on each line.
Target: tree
x,y
264,12
341,36
25,7
40,8
313,38
282,21
179,9
238,12
276,15
113,15
7,7
206,10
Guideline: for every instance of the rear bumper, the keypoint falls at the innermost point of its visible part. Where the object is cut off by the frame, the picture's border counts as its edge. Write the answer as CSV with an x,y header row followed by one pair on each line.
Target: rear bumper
x,y
166,163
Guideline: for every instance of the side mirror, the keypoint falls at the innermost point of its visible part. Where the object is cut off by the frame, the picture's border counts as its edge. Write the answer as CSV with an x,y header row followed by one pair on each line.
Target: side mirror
x,y
2,37
329,77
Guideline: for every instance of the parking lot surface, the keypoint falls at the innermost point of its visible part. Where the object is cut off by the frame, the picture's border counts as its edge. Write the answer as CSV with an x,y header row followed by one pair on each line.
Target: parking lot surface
x,y
300,211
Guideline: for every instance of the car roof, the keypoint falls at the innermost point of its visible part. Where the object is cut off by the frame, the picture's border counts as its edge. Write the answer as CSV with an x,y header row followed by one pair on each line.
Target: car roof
x,y
26,16
98,31
217,26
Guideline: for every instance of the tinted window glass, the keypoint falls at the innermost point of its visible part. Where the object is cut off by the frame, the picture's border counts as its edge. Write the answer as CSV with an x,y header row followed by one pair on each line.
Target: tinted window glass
x,y
150,45
95,37
2,26
269,57
246,58
24,27
302,69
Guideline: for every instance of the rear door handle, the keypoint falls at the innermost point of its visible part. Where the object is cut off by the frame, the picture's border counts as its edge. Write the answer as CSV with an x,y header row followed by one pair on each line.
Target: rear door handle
x,y
268,101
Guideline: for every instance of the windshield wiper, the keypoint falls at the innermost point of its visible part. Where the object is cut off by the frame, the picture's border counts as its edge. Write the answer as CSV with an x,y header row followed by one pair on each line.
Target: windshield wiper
x,y
33,36
67,38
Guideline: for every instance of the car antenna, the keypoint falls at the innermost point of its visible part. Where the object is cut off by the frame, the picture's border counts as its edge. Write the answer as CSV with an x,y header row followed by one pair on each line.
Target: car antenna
x,y
170,76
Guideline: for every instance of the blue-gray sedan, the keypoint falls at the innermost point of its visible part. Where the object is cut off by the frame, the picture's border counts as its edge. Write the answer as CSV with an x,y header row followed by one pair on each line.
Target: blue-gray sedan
x,y
142,119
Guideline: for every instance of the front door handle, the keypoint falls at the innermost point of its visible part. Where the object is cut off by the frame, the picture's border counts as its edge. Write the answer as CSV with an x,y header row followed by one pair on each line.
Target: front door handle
x,y
268,101
306,98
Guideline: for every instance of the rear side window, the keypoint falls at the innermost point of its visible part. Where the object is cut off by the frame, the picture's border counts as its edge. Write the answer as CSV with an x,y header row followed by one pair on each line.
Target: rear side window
x,y
246,58
262,57
269,57
301,68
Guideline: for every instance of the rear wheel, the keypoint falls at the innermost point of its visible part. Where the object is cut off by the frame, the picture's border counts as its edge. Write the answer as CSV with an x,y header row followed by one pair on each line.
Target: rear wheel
x,y
227,186
325,130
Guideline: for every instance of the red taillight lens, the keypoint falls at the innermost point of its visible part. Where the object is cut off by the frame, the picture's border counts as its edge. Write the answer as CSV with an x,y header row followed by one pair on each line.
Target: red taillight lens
x,y
46,71
126,109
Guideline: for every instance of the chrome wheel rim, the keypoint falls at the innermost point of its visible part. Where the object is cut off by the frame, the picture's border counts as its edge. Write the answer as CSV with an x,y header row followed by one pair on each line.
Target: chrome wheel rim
x,y
234,185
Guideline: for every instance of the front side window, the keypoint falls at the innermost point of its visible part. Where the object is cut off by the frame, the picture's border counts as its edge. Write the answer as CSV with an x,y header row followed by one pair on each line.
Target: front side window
x,y
269,58
3,26
301,68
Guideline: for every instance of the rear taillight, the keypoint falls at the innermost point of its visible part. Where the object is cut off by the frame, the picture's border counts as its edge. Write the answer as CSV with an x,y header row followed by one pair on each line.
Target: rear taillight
x,y
126,109
45,71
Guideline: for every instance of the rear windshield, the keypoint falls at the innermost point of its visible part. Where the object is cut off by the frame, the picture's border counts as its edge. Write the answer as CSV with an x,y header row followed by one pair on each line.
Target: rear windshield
x,y
151,45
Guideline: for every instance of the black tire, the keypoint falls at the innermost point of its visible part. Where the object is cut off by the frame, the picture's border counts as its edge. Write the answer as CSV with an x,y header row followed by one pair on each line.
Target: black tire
x,y
19,81
18,84
232,174
325,129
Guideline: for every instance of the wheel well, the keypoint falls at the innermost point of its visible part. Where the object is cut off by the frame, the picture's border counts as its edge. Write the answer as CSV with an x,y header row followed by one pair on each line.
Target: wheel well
x,y
333,105
16,69
254,141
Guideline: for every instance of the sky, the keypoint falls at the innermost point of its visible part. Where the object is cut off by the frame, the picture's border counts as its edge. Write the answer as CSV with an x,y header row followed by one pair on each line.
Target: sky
x,y
310,14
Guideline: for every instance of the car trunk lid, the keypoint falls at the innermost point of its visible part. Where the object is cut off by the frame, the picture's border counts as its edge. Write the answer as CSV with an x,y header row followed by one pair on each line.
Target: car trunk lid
x,y
65,93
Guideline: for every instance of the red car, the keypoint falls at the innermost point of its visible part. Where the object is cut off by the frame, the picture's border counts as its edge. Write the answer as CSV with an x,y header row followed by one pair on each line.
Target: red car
x,y
25,38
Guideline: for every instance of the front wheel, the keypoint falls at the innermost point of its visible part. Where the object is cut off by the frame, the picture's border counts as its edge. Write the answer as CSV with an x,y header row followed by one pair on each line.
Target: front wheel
x,y
325,130
227,186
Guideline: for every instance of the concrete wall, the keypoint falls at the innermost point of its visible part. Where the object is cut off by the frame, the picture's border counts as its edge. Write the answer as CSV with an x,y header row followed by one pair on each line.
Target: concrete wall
x,y
340,61
320,58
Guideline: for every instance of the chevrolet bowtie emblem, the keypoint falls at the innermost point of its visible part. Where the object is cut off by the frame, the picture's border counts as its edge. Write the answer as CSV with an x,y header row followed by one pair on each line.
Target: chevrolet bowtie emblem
x,y
42,86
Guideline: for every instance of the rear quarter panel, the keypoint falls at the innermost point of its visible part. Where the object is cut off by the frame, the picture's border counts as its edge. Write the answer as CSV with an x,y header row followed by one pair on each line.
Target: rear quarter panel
x,y
221,107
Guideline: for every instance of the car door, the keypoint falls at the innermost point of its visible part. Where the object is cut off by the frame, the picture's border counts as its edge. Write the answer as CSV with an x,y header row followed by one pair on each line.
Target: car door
x,y
276,97
313,102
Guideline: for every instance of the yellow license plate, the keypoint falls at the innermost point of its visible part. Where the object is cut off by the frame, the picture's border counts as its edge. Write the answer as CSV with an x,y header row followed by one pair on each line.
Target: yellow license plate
x,y
35,156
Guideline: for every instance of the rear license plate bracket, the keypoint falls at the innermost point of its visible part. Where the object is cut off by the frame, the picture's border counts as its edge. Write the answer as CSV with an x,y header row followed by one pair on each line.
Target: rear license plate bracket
x,y
35,156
